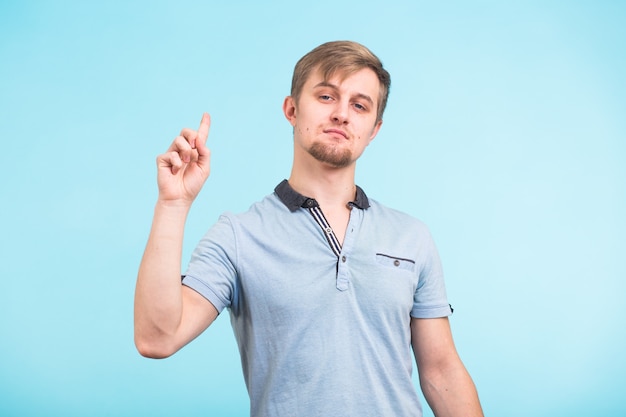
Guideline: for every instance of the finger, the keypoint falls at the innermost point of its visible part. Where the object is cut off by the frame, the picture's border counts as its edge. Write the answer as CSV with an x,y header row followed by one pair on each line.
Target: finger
x,y
201,134
182,146
190,136
179,144
203,130
170,160
204,155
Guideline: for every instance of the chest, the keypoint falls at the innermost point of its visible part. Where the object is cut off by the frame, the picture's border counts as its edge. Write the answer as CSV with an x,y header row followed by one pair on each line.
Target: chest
x,y
303,275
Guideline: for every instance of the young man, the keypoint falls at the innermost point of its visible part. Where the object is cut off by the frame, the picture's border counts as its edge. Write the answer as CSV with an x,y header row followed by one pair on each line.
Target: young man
x,y
328,290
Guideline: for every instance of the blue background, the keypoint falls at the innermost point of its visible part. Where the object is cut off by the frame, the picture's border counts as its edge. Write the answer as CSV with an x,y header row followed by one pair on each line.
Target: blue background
x,y
505,133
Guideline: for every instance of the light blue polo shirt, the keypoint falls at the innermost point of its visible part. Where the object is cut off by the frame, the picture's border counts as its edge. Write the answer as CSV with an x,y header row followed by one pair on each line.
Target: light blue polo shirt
x,y
323,329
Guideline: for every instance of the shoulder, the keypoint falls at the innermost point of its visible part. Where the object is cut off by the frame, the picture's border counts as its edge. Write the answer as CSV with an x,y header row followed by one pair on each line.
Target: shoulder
x,y
268,205
261,218
394,217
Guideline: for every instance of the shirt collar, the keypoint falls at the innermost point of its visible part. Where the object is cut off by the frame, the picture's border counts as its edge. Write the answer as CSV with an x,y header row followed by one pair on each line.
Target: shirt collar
x,y
294,200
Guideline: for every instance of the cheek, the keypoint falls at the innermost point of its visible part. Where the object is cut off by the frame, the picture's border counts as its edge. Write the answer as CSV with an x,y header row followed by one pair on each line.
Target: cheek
x,y
303,131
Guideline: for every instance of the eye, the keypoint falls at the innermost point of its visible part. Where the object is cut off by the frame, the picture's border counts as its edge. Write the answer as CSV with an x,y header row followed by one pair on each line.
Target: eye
x,y
325,97
359,106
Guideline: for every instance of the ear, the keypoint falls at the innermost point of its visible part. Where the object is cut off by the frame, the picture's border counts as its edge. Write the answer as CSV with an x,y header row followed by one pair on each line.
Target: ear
x,y
289,109
375,130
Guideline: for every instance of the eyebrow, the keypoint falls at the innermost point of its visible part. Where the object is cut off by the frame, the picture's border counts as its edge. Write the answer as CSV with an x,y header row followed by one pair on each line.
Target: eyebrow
x,y
336,88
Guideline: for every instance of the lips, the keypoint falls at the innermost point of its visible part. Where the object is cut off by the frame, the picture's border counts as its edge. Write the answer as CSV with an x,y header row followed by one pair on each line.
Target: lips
x,y
337,132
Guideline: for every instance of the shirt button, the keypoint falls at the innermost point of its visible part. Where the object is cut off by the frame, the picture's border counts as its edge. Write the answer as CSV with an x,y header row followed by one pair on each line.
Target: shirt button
x,y
396,262
343,259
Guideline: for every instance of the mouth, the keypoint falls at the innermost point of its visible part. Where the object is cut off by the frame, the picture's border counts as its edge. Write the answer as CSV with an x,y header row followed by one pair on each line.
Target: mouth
x,y
338,132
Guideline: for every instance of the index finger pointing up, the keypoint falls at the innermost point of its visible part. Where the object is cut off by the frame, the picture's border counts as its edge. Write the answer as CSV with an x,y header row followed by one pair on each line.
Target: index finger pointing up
x,y
203,130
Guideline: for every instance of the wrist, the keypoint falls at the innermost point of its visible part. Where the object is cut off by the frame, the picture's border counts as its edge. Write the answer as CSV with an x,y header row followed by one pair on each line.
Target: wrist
x,y
172,208
174,205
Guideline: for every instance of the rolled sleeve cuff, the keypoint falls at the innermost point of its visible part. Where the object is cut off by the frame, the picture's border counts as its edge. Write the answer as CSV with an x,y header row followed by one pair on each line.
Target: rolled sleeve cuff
x,y
431,312
201,288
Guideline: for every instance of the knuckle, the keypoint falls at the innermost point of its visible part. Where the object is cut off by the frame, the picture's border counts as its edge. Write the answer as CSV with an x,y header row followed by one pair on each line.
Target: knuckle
x,y
180,141
187,133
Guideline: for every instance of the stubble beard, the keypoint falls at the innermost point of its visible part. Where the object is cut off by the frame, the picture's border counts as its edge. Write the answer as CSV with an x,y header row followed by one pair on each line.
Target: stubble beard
x,y
337,158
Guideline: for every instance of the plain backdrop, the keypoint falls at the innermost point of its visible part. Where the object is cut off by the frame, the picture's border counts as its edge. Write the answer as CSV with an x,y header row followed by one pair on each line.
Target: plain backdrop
x,y
505,133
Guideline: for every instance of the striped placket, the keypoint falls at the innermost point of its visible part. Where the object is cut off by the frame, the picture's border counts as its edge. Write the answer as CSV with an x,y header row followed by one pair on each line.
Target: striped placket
x,y
319,217
316,211
343,272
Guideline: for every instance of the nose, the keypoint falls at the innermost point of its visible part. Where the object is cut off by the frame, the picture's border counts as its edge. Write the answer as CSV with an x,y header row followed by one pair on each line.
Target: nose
x,y
340,113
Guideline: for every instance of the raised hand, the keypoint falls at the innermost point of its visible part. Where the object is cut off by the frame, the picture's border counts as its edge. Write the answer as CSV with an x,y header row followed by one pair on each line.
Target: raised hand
x,y
186,165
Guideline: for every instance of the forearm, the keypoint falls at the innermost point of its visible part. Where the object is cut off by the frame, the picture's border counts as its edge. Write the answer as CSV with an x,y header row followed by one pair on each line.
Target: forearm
x,y
158,294
450,392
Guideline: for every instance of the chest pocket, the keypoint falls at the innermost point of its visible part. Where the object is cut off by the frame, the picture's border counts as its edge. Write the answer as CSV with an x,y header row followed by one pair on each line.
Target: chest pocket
x,y
395,262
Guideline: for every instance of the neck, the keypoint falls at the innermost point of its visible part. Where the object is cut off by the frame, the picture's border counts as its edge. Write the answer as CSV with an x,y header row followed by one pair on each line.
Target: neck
x,y
333,188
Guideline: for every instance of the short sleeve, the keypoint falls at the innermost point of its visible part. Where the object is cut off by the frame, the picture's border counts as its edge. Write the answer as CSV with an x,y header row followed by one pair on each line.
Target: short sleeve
x,y
430,299
211,270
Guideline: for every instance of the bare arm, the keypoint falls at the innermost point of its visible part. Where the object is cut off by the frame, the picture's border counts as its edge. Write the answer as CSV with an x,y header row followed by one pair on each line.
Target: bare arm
x,y
446,384
168,315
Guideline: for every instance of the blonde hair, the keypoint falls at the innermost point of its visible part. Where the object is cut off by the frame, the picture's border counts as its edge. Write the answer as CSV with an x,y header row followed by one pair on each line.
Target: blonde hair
x,y
344,58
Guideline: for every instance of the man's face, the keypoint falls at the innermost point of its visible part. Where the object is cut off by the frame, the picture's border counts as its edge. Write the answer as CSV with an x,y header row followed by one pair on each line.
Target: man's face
x,y
334,120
